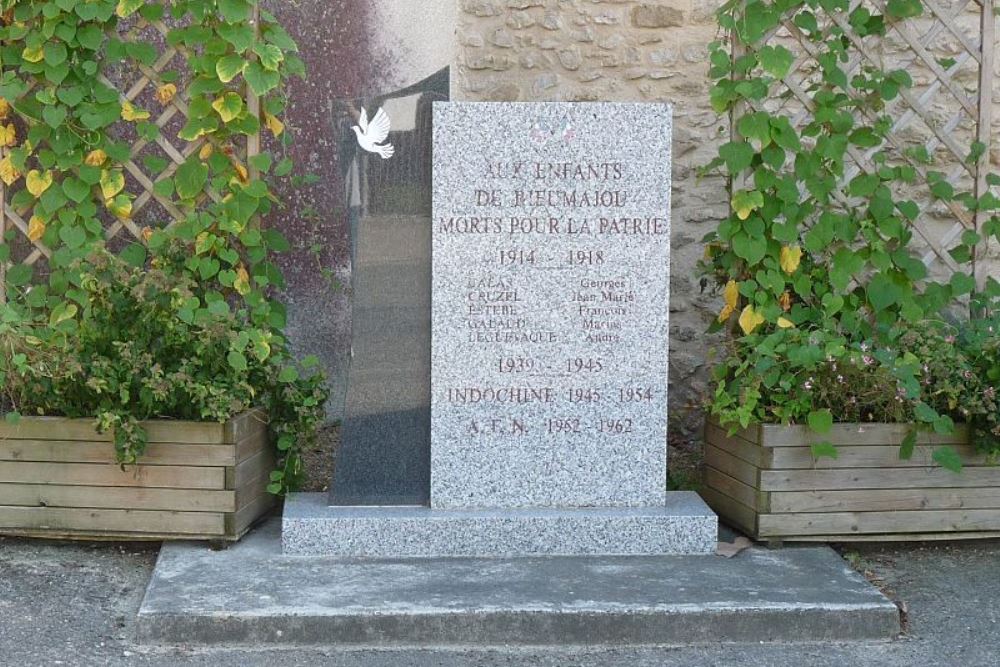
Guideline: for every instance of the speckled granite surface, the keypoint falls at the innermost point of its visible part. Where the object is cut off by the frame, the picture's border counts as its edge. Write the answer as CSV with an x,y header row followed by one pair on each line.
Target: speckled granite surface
x,y
684,525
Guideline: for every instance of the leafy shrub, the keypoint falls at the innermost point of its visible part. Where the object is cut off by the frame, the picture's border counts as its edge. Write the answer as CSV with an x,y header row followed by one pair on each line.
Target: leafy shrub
x,y
831,313
153,343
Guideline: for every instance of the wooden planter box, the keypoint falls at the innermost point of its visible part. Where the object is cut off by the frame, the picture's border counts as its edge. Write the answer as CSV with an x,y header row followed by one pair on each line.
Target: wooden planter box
x,y
197,480
765,481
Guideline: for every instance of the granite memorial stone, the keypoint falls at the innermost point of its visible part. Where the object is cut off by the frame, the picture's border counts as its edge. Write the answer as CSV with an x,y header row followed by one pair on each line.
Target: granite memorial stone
x,y
551,305
384,455
548,383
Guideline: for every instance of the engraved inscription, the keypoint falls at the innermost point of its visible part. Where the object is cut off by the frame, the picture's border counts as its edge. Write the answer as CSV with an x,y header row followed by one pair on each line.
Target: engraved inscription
x,y
550,326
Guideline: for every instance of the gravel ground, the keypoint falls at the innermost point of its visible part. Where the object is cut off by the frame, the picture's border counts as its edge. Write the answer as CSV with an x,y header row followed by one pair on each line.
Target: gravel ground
x,y
74,604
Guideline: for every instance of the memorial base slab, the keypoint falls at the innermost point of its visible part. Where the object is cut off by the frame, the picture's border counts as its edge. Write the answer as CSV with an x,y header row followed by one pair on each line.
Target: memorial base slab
x,y
683,526
253,594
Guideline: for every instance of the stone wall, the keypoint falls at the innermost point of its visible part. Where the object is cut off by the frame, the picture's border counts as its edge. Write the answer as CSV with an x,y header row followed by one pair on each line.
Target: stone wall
x,y
637,50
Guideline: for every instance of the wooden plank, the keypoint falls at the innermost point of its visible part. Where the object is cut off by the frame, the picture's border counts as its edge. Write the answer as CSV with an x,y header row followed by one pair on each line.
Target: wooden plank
x,y
249,514
876,500
60,428
83,451
253,468
848,523
252,444
735,489
901,537
869,456
773,435
876,478
984,132
750,434
737,446
96,474
252,489
139,521
245,425
117,497
735,512
735,467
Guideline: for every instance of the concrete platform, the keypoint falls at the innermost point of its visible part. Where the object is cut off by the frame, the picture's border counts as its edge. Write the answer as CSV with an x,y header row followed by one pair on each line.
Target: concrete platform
x,y
684,525
252,594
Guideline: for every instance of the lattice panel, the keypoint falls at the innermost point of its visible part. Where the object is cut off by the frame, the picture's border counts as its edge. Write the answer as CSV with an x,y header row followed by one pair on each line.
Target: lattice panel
x,y
151,162
943,116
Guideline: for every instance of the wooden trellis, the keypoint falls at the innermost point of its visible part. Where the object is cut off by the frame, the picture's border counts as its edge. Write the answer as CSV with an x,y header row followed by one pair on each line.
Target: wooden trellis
x,y
949,51
137,83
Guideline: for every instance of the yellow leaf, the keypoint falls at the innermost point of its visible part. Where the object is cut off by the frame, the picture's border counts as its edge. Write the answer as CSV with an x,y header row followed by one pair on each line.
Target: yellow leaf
x,y
785,323
791,256
8,172
206,151
242,172
33,54
147,233
96,158
732,296
274,124
130,112
786,301
8,135
166,93
750,319
36,228
228,106
732,293
242,282
38,182
112,182
4,109
120,207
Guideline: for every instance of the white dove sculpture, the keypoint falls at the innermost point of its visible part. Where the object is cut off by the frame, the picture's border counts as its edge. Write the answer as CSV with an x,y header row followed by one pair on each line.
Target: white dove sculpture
x,y
372,135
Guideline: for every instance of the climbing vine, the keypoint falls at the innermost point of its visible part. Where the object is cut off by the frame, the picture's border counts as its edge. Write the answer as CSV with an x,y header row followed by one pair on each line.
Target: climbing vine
x,y
817,261
76,134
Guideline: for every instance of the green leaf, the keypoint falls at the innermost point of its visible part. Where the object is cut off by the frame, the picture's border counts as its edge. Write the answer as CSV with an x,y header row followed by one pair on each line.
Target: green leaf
x,y
883,292
824,450
925,413
229,106
239,35
775,60
62,312
54,116
128,7
288,374
784,134
261,162
237,360
737,154
73,236
904,9
191,178
749,248
821,421
12,418
235,11
75,189
260,80
230,67
55,53
134,255
962,283
908,445
948,458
